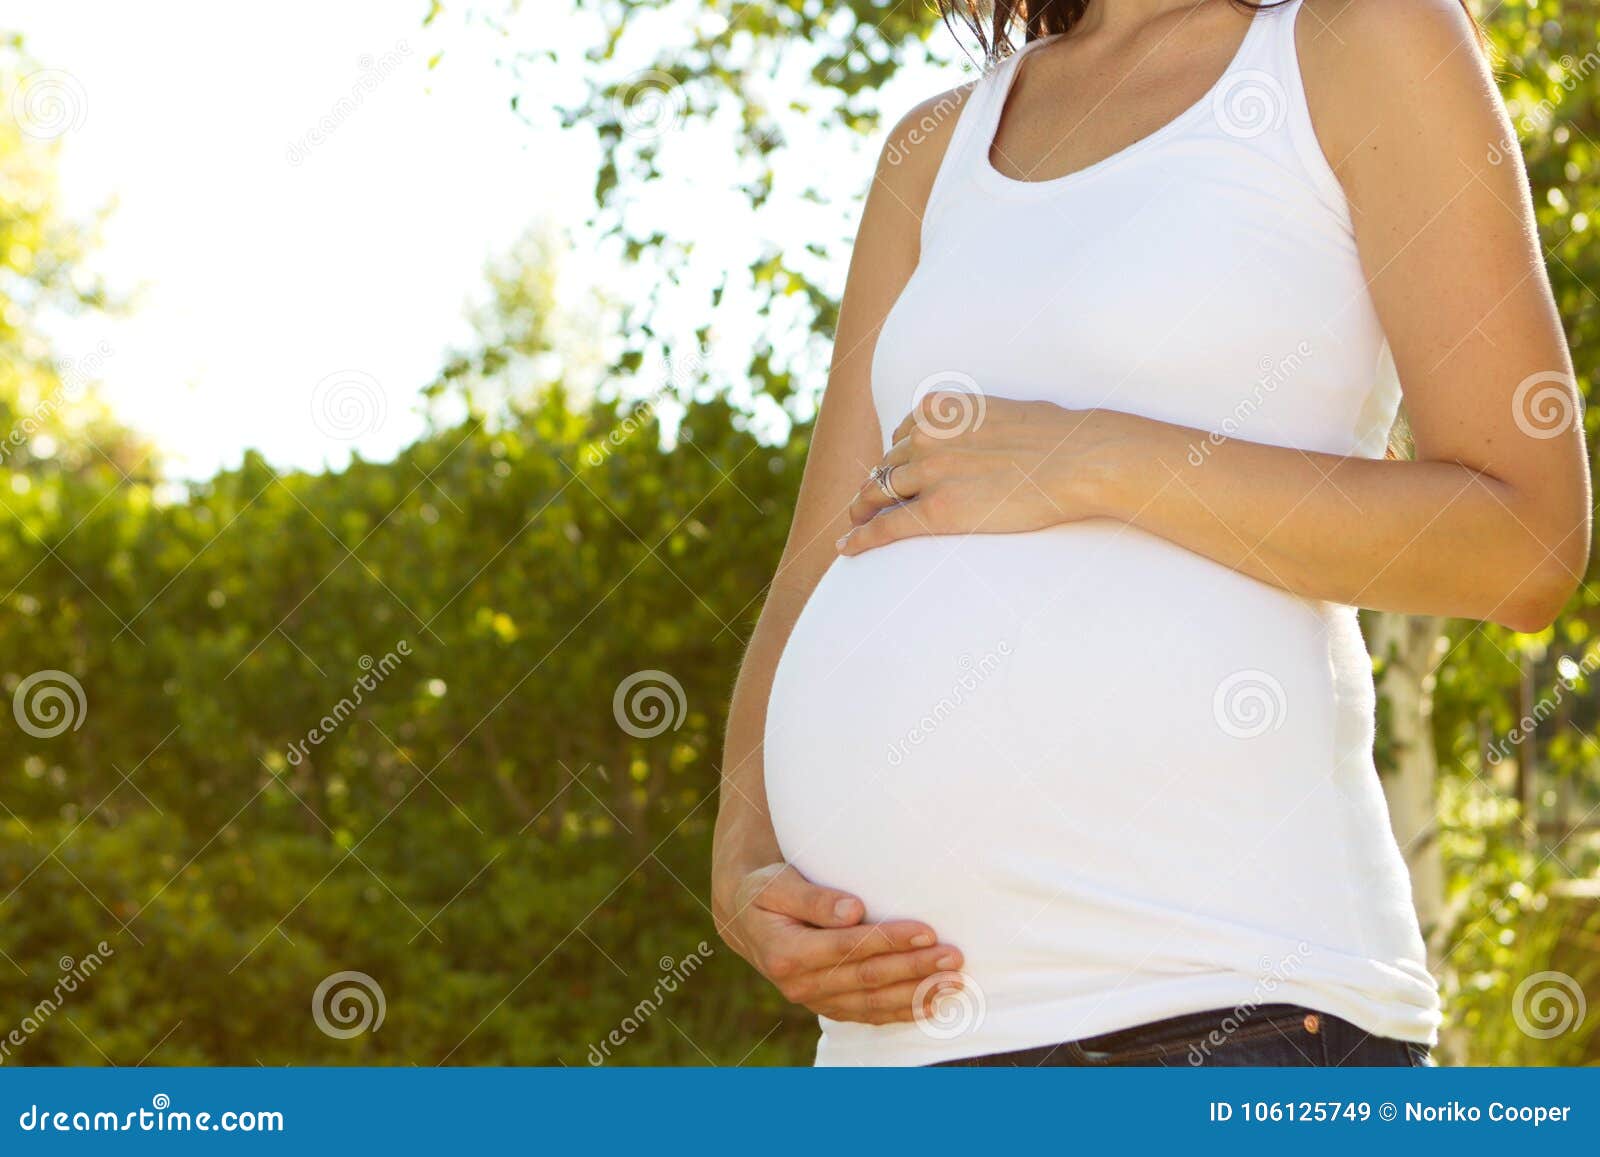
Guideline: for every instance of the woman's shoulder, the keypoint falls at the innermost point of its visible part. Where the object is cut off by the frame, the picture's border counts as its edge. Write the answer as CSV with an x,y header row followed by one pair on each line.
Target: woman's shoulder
x,y
1379,73
916,145
1355,43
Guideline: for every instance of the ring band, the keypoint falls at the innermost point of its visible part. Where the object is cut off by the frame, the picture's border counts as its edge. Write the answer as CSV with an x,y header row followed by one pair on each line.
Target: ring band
x,y
886,484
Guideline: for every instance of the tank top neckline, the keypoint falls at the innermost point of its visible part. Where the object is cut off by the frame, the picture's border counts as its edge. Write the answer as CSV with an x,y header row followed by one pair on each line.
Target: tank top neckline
x,y
1007,79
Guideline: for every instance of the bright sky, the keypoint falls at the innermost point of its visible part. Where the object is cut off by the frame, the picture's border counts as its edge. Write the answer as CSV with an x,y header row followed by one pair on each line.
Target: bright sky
x,y
292,291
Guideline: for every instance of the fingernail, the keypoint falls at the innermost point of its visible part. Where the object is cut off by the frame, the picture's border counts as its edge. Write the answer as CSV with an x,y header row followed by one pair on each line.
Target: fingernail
x,y
844,909
945,963
922,940
843,538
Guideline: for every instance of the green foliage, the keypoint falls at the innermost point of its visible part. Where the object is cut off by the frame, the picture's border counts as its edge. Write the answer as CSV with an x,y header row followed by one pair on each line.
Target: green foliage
x,y
1530,1007
479,834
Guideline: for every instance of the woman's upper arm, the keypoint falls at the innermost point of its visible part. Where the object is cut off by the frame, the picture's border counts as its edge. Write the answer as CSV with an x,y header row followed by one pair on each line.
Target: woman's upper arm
x,y
846,441
1408,114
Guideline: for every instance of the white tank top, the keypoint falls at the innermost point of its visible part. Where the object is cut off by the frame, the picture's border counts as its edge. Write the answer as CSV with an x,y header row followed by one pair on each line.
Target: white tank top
x,y
1128,782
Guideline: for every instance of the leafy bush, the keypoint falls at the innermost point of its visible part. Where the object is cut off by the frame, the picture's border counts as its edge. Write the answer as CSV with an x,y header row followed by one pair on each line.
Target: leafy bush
x,y
478,834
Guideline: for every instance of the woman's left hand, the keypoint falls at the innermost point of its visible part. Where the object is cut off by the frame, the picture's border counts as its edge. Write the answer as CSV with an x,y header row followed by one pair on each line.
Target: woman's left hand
x,y
1002,466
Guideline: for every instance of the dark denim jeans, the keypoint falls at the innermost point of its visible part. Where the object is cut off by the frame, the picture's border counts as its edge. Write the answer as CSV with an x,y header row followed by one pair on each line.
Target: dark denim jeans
x,y
1270,1034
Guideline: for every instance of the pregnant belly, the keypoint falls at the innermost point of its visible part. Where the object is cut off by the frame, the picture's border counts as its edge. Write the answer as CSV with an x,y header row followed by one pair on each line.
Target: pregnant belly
x,y
983,732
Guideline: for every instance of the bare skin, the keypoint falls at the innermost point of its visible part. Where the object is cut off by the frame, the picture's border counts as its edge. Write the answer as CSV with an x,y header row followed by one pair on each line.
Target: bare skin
x,y
1491,521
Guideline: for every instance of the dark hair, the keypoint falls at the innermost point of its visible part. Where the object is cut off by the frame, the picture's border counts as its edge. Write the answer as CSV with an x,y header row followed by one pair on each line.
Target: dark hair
x,y
992,20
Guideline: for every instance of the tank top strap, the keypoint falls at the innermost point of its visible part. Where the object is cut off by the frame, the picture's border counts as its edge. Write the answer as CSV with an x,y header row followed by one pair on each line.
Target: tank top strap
x,y
975,129
1263,101
980,114
1269,44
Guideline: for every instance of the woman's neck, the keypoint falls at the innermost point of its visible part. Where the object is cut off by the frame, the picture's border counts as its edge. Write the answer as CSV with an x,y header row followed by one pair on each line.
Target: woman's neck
x,y
1116,17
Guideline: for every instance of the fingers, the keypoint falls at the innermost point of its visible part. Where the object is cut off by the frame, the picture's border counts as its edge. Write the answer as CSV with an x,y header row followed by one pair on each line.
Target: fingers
x,y
791,894
809,963
942,470
831,949
912,520
912,468
892,1004
908,478
874,972
810,942
901,452
871,499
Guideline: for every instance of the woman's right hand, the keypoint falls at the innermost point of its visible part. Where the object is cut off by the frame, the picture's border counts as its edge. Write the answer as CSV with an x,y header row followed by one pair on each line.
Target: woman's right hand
x,y
811,943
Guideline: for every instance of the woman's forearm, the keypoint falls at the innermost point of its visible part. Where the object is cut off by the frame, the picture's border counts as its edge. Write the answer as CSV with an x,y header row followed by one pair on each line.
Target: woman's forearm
x,y
744,839
1416,537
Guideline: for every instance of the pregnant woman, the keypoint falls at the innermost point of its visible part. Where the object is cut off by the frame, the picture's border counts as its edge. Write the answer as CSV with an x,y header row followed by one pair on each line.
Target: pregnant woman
x,y
1053,744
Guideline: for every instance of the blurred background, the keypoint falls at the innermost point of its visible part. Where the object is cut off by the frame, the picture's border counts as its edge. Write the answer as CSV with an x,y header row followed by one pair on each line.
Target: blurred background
x,y
401,409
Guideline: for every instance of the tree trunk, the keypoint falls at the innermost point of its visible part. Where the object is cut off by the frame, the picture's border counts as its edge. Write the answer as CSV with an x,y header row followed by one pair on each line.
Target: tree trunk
x,y
1411,647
